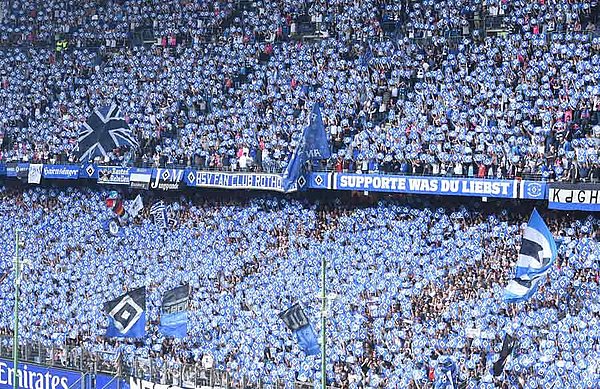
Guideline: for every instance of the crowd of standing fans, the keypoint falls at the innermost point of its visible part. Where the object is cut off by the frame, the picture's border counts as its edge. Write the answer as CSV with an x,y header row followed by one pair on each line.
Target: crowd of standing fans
x,y
411,284
476,88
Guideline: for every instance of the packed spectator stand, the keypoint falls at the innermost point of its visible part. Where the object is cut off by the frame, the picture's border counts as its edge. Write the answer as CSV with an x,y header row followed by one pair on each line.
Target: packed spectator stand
x,y
474,88
411,284
465,88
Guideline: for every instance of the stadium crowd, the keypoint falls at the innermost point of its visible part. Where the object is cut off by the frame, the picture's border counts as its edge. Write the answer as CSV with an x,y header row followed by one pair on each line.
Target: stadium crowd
x,y
468,88
411,284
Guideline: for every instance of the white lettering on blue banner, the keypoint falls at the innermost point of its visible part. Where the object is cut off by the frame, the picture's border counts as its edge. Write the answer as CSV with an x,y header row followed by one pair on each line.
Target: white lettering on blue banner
x,y
61,172
33,376
203,179
426,185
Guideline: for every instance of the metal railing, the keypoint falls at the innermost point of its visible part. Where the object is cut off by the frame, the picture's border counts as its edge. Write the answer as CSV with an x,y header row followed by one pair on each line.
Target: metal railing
x,y
187,375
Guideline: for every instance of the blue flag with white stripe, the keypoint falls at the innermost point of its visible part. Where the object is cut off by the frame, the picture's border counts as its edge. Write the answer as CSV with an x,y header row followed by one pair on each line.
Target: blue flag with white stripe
x,y
536,257
312,146
173,316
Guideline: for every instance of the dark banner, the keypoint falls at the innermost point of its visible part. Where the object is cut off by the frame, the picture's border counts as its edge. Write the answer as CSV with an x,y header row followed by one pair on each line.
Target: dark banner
x,y
173,314
22,171
113,175
507,347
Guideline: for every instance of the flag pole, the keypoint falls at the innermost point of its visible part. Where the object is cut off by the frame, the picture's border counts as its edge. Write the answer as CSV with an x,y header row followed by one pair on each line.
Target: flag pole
x,y
16,310
323,323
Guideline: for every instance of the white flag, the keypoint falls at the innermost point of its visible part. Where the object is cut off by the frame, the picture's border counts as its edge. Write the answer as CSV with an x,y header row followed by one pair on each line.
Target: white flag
x,y
136,206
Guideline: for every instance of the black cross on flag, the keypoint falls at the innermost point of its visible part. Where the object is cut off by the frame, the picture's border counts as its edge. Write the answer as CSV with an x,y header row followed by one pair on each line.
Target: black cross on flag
x,y
104,131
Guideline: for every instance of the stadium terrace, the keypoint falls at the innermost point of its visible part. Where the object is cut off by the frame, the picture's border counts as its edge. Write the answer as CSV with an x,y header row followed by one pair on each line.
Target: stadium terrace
x,y
295,194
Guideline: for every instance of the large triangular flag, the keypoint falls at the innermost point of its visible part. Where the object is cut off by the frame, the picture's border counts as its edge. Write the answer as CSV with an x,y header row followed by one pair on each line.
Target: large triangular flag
x,y
312,146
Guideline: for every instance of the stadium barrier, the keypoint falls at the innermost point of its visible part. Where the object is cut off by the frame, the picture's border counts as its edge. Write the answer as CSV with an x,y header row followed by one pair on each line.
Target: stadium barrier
x,y
41,377
69,367
564,196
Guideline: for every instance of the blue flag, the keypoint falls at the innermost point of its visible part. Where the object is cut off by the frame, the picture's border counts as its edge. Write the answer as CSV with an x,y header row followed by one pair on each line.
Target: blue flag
x,y
127,315
536,257
113,227
448,377
307,340
173,317
366,58
312,146
295,319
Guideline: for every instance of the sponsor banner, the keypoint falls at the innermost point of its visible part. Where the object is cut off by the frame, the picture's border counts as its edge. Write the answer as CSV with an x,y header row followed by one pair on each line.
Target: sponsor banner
x,y
139,178
88,170
34,175
61,172
39,377
578,197
138,383
114,175
167,179
260,181
2,169
426,185
535,190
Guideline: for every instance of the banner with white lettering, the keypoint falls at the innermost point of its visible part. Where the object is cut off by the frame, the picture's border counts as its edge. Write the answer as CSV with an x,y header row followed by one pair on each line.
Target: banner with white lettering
x,y
115,175
426,185
576,197
39,377
61,172
167,179
222,180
